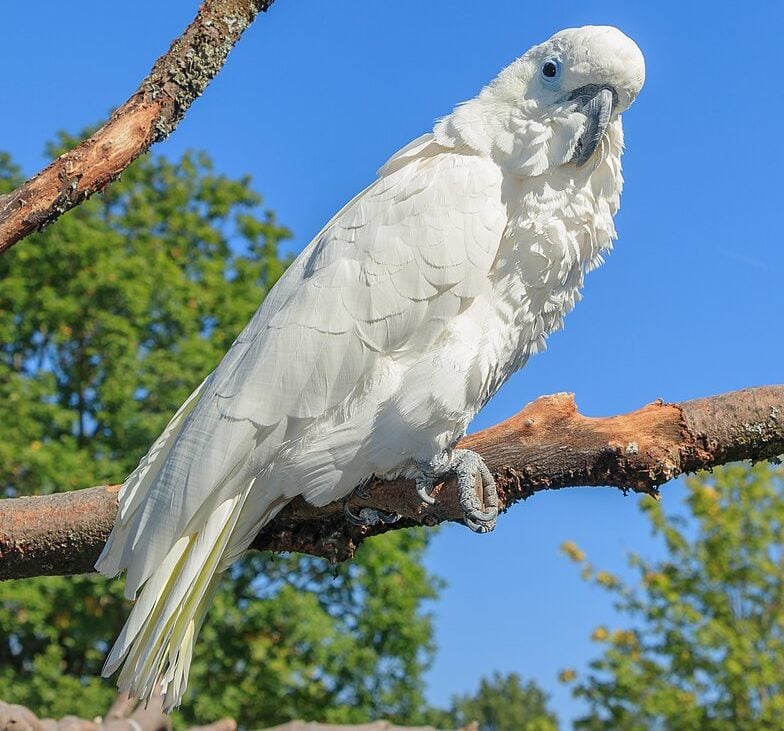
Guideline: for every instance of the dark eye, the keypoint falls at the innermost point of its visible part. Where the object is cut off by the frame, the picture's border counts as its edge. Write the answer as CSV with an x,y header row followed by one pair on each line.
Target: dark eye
x,y
551,70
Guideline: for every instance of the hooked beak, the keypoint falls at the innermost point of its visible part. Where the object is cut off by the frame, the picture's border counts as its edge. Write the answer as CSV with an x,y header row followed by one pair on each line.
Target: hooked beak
x,y
596,103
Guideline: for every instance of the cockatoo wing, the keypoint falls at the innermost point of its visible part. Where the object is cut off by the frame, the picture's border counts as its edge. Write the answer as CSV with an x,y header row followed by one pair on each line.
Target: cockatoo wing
x,y
382,280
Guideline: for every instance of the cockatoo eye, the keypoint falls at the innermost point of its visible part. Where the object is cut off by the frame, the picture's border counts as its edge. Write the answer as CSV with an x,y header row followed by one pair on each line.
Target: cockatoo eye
x,y
551,70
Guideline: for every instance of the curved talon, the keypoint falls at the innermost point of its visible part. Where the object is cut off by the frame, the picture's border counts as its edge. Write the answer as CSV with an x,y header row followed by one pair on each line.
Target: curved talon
x,y
388,517
361,491
480,527
483,515
481,521
370,516
423,486
359,518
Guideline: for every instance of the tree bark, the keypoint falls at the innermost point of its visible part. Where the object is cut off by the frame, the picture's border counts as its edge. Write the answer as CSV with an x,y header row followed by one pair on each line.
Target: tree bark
x,y
149,116
546,446
373,726
125,714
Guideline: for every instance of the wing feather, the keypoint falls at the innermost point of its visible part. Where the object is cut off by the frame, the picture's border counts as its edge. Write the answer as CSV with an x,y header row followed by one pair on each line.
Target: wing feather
x,y
376,277
383,280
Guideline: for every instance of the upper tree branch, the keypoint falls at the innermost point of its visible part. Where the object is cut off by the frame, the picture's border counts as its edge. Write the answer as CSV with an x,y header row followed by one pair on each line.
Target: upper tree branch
x,y
548,445
149,116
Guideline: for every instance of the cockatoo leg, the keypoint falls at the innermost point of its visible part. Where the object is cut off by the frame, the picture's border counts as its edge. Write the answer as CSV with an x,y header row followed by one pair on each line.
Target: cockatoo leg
x,y
465,465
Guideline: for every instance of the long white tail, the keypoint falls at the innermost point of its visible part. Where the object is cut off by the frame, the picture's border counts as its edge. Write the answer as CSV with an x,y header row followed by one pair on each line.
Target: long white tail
x,y
185,516
158,638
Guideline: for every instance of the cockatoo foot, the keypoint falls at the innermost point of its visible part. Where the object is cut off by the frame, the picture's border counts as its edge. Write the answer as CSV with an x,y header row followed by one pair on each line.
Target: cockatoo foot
x,y
479,515
370,516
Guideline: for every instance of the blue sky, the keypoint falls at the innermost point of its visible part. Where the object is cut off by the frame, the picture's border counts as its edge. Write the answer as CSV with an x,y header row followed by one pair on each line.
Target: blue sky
x,y
318,94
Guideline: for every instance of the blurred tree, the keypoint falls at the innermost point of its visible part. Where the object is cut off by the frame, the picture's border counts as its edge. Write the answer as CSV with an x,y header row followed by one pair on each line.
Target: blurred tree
x,y
108,320
501,703
705,645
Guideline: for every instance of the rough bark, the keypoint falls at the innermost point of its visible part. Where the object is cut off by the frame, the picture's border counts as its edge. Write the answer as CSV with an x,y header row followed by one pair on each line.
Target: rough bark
x,y
374,726
125,714
546,446
149,116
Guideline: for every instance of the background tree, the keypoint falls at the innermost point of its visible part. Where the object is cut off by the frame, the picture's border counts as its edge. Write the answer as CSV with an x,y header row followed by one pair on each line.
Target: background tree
x,y
107,322
705,645
502,703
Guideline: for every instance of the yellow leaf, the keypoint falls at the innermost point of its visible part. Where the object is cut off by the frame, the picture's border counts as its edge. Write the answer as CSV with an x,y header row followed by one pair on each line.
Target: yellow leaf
x,y
571,549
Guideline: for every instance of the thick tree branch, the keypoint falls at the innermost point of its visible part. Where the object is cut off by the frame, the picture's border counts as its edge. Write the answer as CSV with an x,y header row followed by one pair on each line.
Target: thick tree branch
x,y
125,714
149,116
546,446
373,726
122,717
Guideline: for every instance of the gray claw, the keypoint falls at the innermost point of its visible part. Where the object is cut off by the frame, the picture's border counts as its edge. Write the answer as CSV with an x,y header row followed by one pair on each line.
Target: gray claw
x,y
370,516
388,517
479,527
424,484
482,516
361,491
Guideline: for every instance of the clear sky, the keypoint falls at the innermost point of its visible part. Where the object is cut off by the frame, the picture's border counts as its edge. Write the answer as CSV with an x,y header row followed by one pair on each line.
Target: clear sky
x,y
318,94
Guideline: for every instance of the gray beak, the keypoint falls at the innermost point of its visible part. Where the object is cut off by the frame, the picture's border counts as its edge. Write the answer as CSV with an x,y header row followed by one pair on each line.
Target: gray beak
x,y
596,103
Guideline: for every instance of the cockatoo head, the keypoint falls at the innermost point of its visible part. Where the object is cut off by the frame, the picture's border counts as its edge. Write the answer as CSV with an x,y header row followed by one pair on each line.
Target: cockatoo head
x,y
578,61
555,105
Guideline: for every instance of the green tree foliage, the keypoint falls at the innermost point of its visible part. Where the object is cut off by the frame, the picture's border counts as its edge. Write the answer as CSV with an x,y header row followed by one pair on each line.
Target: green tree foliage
x,y
503,703
108,320
704,648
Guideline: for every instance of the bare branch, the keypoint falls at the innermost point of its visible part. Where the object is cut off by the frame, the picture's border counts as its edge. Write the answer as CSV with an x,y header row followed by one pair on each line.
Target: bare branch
x,y
125,714
374,726
546,446
122,707
149,116
224,724
18,718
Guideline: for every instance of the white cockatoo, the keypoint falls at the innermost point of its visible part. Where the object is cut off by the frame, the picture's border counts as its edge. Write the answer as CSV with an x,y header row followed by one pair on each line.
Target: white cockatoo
x,y
384,338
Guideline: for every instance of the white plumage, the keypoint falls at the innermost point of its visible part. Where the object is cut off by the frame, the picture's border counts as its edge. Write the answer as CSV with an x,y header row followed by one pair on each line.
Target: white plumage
x,y
385,336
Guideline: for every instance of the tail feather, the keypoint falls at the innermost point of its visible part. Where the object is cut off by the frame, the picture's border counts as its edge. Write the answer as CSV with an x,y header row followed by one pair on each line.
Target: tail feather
x,y
145,604
187,512
156,643
135,488
139,554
